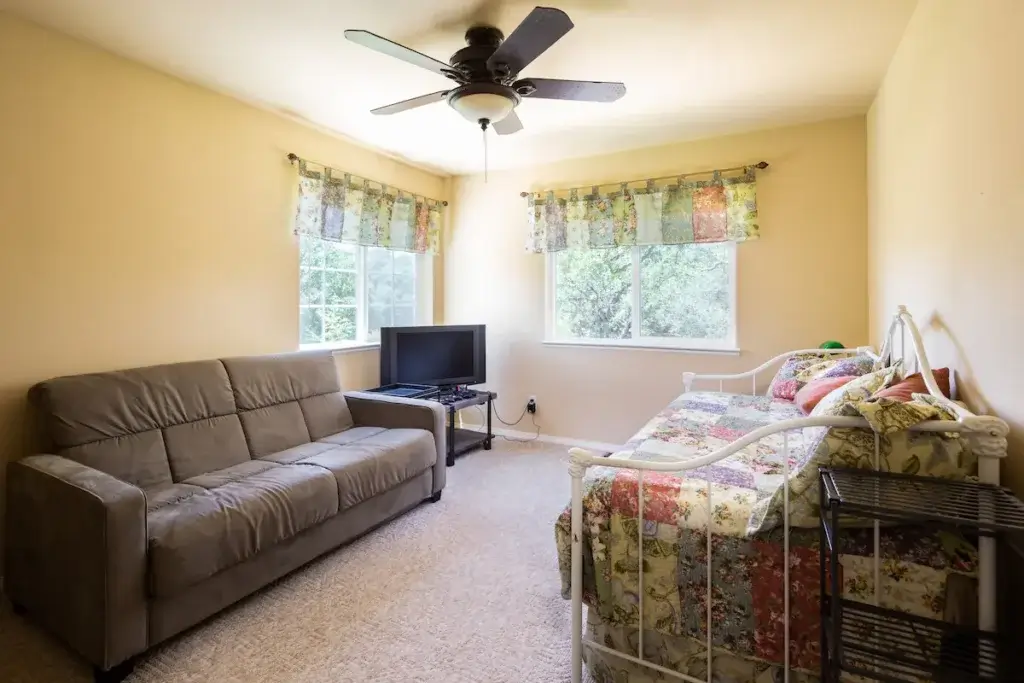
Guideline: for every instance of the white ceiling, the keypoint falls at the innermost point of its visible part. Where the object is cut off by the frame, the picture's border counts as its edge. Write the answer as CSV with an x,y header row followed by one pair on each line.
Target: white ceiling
x,y
692,68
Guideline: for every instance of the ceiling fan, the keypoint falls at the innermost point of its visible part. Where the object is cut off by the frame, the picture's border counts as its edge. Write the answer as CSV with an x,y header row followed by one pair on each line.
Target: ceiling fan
x,y
487,71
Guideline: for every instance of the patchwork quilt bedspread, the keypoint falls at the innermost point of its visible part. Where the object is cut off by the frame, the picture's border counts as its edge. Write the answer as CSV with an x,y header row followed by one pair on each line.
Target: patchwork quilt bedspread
x,y
747,567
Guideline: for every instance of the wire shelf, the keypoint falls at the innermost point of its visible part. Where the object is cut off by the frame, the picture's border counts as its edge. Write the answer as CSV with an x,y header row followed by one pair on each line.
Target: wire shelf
x,y
985,508
887,645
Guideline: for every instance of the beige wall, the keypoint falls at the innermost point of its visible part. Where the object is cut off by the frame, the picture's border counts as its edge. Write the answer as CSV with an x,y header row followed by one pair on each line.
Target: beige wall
x,y
802,283
144,220
946,189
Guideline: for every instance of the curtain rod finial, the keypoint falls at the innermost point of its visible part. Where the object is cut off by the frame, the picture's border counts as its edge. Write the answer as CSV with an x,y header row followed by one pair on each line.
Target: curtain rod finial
x,y
292,157
761,164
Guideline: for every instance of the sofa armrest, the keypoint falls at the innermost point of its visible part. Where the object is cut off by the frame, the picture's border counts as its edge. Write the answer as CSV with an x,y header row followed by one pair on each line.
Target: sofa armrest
x,y
374,410
75,555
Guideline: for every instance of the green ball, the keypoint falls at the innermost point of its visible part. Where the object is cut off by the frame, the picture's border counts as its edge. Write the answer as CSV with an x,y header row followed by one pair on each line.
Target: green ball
x,y
831,345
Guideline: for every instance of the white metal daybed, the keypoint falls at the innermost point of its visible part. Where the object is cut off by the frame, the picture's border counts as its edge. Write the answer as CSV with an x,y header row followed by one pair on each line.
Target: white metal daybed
x,y
635,494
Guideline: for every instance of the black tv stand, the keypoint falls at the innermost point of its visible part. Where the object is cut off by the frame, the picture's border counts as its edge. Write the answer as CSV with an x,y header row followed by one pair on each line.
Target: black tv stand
x,y
454,399
464,440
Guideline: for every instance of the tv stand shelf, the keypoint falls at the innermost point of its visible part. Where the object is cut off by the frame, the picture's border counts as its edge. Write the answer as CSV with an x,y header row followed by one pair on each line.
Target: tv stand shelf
x,y
460,441
466,440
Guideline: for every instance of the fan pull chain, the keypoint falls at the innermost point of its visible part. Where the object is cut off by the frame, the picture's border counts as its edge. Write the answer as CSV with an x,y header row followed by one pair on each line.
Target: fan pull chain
x,y
483,131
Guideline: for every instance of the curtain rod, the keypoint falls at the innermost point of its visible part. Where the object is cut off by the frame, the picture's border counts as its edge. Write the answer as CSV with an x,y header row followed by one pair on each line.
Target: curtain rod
x,y
292,158
761,164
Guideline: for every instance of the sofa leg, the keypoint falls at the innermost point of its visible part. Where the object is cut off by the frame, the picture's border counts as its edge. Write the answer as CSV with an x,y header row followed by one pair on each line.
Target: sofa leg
x,y
115,674
436,497
19,609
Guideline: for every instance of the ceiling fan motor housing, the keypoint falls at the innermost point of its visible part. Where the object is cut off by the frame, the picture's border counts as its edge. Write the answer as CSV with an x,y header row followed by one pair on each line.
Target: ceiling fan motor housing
x,y
481,34
471,61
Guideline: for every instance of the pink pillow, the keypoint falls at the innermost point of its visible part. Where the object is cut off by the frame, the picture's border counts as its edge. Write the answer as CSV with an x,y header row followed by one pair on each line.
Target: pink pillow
x,y
817,389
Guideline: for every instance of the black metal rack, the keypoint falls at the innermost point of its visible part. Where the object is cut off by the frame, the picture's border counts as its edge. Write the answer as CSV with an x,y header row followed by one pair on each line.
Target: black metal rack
x,y
889,645
465,440
454,399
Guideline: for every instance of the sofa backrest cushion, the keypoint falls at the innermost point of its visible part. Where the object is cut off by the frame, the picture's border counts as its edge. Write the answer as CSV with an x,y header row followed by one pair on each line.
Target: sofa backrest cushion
x,y
287,399
147,426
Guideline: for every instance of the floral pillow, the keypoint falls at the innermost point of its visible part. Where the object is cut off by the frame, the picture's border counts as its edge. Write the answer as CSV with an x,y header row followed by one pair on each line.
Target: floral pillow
x,y
859,389
784,384
802,368
850,366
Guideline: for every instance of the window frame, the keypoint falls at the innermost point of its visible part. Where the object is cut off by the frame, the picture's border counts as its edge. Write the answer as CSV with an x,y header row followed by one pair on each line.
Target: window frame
x,y
423,305
724,346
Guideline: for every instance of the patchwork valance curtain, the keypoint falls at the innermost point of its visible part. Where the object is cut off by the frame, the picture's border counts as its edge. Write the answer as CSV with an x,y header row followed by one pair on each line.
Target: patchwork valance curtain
x,y
341,207
657,211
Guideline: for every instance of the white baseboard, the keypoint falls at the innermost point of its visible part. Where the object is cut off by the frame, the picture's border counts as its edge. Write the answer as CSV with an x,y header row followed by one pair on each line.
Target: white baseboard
x,y
567,441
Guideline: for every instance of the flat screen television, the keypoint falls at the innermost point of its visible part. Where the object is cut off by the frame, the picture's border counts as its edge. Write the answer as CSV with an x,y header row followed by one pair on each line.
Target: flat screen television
x,y
437,355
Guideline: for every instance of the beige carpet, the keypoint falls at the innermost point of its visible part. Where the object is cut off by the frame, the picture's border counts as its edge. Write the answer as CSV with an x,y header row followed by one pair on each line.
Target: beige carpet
x,y
463,591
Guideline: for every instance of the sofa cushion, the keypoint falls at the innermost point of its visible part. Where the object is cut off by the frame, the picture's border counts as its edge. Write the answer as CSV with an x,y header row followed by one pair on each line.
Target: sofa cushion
x,y
377,463
169,494
274,428
229,475
325,414
217,520
138,459
261,381
293,455
205,446
350,435
306,382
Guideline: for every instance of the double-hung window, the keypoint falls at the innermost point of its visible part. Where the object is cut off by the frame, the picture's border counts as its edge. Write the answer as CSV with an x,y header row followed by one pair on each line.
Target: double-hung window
x,y
673,296
348,292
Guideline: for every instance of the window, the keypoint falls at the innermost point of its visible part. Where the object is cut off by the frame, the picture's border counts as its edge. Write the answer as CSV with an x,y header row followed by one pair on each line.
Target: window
x,y
666,295
347,293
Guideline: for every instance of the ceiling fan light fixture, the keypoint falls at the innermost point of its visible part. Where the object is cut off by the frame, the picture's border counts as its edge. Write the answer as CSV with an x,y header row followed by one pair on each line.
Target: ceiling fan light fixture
x,y
483,101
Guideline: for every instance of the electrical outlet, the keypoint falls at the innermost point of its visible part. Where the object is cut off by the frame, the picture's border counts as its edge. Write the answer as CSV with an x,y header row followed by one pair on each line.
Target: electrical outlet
x,y
531,405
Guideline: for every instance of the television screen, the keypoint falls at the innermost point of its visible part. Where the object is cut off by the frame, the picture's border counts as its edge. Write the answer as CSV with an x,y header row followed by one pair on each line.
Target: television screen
x,y
435,355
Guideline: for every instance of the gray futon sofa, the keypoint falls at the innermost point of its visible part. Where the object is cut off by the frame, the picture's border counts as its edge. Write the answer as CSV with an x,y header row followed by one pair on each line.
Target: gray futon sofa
x,y
176,490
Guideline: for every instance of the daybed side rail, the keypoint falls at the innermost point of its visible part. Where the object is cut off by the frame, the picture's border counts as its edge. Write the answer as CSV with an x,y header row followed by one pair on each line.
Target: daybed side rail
x,y
690,377
760,433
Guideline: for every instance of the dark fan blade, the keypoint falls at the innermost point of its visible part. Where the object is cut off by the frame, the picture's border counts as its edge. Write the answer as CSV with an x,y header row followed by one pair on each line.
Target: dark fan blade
x,y
540,30
508,125
584,91
392,49
411,103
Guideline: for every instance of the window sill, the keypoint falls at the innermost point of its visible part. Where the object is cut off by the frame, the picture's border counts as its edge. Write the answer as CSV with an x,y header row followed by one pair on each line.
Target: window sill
x,y
640,346
341,347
